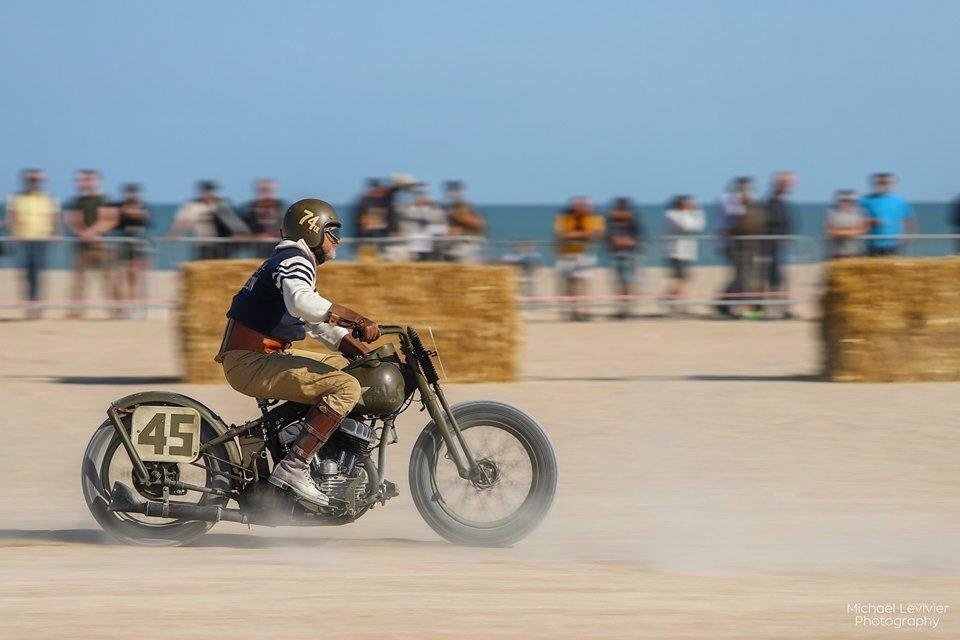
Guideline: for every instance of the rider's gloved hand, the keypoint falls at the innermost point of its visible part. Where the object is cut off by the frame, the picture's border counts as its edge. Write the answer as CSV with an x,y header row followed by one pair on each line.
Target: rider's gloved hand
x,y
345,317
351,347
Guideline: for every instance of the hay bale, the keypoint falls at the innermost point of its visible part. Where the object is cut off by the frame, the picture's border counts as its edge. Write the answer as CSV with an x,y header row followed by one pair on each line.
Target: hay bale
x,y
892,319
472,310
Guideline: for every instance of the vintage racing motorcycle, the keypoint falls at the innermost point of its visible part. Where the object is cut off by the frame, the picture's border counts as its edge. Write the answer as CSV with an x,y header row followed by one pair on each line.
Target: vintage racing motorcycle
x,y
162,469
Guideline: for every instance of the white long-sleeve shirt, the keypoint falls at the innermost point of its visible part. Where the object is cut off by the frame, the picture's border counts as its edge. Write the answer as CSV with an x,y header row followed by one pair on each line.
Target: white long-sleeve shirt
x,y
296,277
685,222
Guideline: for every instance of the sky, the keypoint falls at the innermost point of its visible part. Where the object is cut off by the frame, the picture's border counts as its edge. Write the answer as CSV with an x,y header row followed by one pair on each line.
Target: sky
x,y
528,102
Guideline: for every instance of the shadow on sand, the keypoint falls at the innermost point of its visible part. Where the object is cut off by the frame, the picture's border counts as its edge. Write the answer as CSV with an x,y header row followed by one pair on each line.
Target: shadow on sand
x,y
29,537
118,380
250,541
627,378
68,536
795,377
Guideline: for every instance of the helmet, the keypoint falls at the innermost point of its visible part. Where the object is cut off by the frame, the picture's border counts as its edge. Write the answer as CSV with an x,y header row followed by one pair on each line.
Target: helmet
x,y
309,220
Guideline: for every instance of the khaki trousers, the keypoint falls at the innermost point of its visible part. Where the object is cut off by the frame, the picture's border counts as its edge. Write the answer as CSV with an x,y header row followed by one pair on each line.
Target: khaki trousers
x,y
299,376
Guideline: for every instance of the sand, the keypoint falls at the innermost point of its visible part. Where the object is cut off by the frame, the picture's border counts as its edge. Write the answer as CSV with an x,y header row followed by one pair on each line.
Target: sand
x,y
711,487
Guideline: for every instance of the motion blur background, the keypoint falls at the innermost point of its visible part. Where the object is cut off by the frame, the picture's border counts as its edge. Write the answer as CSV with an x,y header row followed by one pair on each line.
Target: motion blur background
x,y
712,482
528,104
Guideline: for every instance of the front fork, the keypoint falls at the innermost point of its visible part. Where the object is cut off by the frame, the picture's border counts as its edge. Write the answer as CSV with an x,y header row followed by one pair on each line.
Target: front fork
x,y
439,410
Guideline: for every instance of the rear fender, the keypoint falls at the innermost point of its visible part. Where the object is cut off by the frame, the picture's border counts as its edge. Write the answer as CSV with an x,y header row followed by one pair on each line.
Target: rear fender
x,y
206,414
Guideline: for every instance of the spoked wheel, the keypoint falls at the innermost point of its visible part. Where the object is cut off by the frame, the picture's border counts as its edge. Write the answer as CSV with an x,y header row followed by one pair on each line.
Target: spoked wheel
x,y
105,462
509,496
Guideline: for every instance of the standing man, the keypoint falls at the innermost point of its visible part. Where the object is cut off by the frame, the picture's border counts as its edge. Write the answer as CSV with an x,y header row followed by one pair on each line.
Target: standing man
x,y
778,221
576,230
263,215
397,198
33,218
370,220
888,214
624,241
90,218
742,219
684,218
464,222
846,225
208,216
425,226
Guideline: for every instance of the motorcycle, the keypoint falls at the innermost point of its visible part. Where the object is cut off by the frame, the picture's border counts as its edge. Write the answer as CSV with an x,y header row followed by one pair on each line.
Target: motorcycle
x,y
163,468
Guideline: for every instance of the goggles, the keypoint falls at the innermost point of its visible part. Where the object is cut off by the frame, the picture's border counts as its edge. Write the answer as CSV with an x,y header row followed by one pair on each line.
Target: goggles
x,y
334,232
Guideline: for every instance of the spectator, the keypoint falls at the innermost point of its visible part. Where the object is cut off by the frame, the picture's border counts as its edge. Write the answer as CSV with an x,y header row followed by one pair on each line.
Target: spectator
x,y
845,225
888,215
133,254
465,222
263,216
33,218
525,258
90,217
209,216
576,230
778,221
743,217
684,217
624,241
370,218
398,199
423,224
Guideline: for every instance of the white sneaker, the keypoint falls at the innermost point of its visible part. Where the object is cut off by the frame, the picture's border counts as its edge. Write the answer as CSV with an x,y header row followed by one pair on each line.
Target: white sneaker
x,y
295,476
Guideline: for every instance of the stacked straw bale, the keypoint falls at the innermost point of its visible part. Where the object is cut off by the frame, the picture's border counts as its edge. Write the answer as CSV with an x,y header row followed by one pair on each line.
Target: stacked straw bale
x,y
472,310
892,319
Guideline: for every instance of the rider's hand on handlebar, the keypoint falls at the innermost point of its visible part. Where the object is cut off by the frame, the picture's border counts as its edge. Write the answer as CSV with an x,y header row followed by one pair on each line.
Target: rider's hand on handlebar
x,y
366,334
366,330
351,346
361,327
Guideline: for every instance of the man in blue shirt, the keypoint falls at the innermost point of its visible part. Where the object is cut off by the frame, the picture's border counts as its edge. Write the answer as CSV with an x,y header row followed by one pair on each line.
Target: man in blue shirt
x,y
888,215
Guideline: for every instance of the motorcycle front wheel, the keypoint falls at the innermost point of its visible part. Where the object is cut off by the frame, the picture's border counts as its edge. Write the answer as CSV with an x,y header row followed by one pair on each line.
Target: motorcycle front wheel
x,y
514,490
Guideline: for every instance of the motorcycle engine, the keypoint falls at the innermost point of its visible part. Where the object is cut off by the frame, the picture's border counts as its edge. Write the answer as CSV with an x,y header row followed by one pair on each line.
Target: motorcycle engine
x,y
335,467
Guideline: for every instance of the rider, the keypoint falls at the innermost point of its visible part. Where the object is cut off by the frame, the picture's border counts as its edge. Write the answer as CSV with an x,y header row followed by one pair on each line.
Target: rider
x,y
278,305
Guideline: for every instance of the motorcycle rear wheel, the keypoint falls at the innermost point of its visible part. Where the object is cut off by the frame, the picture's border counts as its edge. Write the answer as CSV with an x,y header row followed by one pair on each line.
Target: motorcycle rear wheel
x,y
521,480
105,462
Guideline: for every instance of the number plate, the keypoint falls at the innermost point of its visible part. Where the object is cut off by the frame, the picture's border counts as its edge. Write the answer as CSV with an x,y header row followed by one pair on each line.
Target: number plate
x,y
166,434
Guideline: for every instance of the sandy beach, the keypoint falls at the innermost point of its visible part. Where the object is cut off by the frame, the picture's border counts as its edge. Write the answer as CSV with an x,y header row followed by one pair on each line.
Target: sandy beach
x,y
711,486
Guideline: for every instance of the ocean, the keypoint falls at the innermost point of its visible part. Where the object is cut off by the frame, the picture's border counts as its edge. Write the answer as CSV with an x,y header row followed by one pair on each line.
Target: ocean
x,y
508,223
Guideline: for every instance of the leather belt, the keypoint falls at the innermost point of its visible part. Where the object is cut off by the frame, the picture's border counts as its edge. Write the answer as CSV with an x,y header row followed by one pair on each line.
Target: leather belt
x,y
238,337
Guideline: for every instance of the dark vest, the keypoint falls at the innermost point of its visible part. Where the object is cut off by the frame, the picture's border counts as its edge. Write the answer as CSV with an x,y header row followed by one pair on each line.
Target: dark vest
x,y
259,303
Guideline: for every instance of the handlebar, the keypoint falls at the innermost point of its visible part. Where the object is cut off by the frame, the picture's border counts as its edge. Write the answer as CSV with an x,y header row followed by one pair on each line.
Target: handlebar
x,y
385,330
392,329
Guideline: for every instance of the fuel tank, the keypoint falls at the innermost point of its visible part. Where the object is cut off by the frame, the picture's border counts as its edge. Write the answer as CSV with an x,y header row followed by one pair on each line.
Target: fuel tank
x,y
383,388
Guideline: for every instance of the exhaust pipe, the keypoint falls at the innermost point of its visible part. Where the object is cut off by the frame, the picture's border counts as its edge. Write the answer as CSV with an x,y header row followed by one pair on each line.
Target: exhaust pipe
x,y
123,499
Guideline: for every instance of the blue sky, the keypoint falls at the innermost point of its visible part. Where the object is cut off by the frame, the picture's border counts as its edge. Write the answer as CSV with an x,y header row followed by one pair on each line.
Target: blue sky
x,y
526,101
